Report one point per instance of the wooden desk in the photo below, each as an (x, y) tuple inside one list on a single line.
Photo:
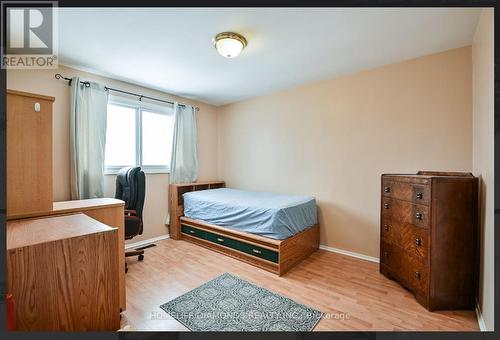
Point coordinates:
[(63, 273), (109, 211)]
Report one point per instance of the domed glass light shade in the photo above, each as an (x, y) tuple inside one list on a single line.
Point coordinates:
[(229, 44)]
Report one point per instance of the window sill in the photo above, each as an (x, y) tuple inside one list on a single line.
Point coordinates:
[(146, 171)]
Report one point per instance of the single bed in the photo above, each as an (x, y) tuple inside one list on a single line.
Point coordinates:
[(261, 213), (271, 231)]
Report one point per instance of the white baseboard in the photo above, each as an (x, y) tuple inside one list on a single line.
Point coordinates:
[(327, 248), (350, 253), (146, 242), (480, 320)]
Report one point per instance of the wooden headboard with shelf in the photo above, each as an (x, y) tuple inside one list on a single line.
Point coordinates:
[(176, 201)]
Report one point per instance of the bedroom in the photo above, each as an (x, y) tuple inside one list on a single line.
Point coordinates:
[(287, 142)]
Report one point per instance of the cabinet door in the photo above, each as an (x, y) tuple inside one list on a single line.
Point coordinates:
[(29, 154)]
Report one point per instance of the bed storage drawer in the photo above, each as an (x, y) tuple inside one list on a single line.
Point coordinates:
[(256, 251), (185, 229), (220, 239), (247, 248)]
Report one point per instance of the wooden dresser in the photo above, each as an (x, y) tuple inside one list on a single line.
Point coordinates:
[(429, 236)]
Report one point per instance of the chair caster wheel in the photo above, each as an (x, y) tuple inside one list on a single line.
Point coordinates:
[(141, 257)]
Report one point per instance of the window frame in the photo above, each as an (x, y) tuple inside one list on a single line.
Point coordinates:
[(139, 106)]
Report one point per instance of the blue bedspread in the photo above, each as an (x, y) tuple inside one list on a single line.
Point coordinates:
[(270, 215)]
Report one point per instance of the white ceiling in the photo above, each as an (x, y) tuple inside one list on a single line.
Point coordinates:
[(170, 49)]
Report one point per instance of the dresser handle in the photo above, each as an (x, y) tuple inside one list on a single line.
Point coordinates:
[(220, 239), (386, 205), (417, 275), (387, 189), (386, 227), (386, 254), (419, 195), (256, 251), (418, 242), (418, 216)]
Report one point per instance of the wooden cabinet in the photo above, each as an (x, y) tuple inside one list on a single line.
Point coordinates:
[(29, 195), (29, 152), (63, 274), (429, 237)]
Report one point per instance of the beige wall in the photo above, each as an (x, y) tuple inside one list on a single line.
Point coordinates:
[(333, 139), (483, 165), (156, 208)]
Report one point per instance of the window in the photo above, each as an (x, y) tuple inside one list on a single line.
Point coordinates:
[(138, 134)]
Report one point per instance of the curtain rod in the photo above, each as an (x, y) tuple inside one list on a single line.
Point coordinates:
[(86, 83)]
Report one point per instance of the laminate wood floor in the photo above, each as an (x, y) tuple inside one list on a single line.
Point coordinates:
[(352, 292)]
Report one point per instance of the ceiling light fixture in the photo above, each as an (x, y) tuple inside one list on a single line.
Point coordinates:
[(229, 44)]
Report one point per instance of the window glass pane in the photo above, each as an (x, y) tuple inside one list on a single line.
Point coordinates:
[(157, 133), (120, 136)]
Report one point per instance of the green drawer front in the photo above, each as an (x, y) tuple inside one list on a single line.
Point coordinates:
[(263, 253), (193, 231), (222, 240), (242, 246), (228, 242)]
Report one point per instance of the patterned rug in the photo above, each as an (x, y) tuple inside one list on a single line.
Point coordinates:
[(228, 303)]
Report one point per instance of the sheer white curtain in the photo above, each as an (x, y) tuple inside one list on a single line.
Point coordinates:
[(87, 139), (184, 162)]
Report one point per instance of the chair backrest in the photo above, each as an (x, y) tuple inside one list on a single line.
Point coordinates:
[(131, 188)]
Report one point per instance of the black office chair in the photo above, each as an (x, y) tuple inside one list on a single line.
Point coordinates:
[(131, 188)]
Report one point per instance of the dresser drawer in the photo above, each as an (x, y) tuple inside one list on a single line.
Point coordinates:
[(416, 273), (417, 193), (390, 231), (415, 241), (412, 239), (390, 256), (405, 212)]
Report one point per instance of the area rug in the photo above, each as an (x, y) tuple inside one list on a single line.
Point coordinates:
[(228, 303)]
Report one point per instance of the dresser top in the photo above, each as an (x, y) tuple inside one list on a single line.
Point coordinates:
[(28, 232), (433, 174)]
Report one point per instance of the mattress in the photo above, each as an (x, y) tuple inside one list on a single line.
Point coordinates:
[(266, 214)]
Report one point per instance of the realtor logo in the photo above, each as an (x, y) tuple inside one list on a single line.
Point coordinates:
[(29, 34)]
